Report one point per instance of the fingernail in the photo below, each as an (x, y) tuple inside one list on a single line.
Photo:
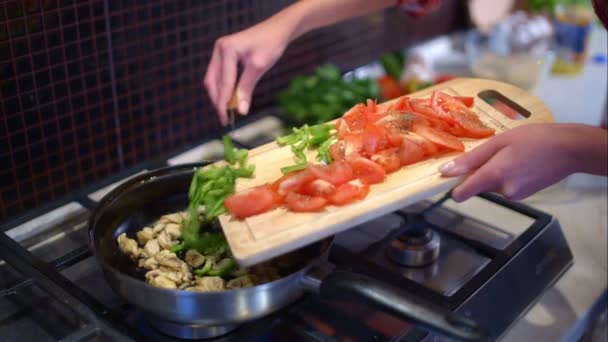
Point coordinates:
[(243, 107), (451, 168)]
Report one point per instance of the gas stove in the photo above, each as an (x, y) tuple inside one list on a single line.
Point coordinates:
[(488, 259)]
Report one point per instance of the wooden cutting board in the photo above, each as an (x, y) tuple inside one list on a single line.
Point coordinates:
[(262, 237)]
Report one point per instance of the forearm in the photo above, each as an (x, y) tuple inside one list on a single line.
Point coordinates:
[(307, 15), (590, 150)]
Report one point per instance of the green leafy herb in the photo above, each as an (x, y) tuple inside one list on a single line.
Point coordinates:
[(325, 95)]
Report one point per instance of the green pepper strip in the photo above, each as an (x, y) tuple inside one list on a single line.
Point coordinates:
[(324, 156), (210, 187), (306, 137), (223, 268)]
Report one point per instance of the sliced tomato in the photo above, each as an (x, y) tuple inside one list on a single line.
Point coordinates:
[(468, 101), (252, 201), (341, 128), (473, 127), (347, 193), (292, 182), (366, 170), (388, 159), (318, 187), (429, 148), (338, 172), (336, 151), (422, 107), (403, 104), (395, 139), (439, 110), (356, 118), (372, 112), (303, 203), (439, 138), (353, 144), (450, 104), (374, 139), (410, 152)]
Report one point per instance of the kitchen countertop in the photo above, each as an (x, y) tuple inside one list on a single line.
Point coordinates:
[(580, 204)]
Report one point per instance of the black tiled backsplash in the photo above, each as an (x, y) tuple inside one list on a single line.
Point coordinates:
[(88, 88)]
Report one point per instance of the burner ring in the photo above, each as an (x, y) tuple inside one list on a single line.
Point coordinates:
[(189, 331), (414, 251)]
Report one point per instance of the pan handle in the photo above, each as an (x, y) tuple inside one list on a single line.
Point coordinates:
[(346, 285)]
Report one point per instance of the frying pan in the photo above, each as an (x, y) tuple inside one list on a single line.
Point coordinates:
[(143, 199)]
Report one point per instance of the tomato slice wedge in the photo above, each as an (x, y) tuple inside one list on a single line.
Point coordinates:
[(388, 159), (342, 128), (366, 170), (439, 138), (439, 109), (429, 148), (337, 150), (252, 201), (402, 104), (292, 182), (468, 101), (353, 143), (338, 172), (347, 193), (410, 152), (303, 203), (374, 139), (472, 126), (318, 188), (356, 117)]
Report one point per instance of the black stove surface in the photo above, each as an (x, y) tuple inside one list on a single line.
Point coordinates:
[(56, 290)]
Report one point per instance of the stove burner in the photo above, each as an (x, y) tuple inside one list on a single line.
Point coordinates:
[(415, 250), (190, 331), (417, 246)]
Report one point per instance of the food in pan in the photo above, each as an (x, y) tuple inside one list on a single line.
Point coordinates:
[(359, 149), (158, 250), (187, 250)]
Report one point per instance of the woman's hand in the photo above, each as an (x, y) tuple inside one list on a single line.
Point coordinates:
[(256, 49), (529, 158), (259, 47)]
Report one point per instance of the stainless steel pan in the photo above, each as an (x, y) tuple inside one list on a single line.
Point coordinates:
[(145, 198)]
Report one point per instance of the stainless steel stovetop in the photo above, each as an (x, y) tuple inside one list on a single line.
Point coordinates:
[(491, 264)]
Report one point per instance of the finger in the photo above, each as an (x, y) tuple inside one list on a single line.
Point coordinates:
[(252, 73), (228, 80), (485, 178), (211, 76), (473, 159)]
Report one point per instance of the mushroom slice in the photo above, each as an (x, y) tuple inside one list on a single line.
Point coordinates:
[(240, 282), (145, 235), (163, 282), (174, 230), (151, 248), (206, 284), (164, 240), (149, 264), (194, 258), (168, 259), (172, 218), (128, 246), (159, 227)]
